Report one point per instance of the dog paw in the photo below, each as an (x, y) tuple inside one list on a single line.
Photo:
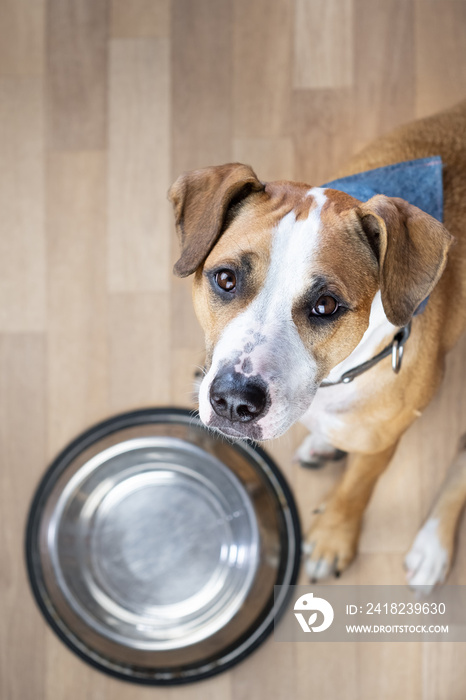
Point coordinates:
[(314, 452), (330, 546), (428, 562)]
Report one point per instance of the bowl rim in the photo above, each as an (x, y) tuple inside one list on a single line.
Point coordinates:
[(45, 486)]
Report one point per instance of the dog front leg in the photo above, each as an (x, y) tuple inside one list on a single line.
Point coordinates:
[(429, 560), (333, 539)]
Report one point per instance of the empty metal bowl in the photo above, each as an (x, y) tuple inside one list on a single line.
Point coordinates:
[(153, 547)]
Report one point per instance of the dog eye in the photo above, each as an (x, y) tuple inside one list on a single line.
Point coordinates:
[(226, 280), (325, 306)]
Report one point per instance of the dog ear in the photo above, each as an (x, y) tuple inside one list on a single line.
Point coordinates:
[(204, 202), (411, 249)]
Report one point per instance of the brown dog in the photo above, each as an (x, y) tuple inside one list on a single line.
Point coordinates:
[(294, 285)]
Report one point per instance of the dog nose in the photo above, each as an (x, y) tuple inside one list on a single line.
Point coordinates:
[(234, 396)]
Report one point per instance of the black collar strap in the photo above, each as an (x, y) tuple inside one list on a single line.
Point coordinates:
[(395, 349)]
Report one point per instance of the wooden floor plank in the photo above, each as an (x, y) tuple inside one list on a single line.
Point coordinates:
[(387, 670), (140, 18), (256, 673), (395, 511), (22, 37), (323, 132), (76, 74), (444, 671), (273, 158), (77, 295), (440, 51), (22, 458), (22, 234), (385, 85), (322, 669), (201, 98), (139, 216), (262, 68), (213, 689), (323, 44), (139, 339)]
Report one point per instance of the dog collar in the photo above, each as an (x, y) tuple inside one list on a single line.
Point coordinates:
[(419, 182), (395, 349)]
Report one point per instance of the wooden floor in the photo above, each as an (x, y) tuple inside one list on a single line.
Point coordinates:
[(102, 104)]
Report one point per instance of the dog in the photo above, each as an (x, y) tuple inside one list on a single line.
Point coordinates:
[(295, 285)]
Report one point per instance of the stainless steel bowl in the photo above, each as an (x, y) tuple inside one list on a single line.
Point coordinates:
[(153, 547)]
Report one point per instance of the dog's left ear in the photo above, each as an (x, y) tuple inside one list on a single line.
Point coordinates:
[(411, 249), (204, 201)]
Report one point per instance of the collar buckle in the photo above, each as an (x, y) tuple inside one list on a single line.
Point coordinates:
[(398, 347)]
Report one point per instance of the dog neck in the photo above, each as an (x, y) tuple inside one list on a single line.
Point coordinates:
[(379, 332)]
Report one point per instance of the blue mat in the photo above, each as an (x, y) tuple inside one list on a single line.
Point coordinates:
[(419, 182)]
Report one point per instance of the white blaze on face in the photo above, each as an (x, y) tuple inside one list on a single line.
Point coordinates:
[(263, 340)]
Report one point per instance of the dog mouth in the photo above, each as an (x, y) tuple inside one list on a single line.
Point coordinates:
[(247, 431)]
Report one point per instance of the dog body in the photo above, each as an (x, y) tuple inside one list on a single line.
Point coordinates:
[(294, 285)]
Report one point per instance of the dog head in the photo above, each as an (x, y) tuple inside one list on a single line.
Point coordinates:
[(284, 278)]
